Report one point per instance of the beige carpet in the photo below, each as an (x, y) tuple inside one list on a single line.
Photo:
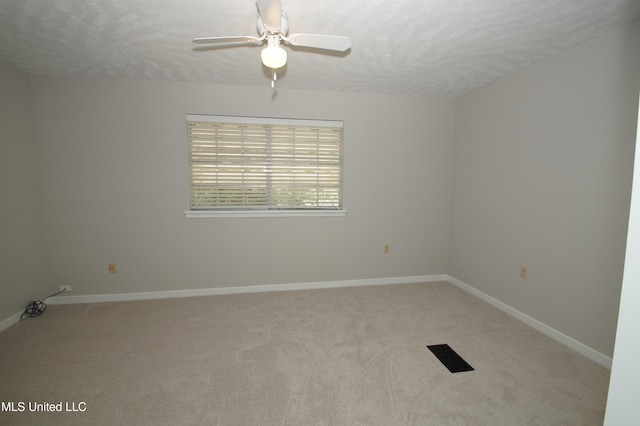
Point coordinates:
[(346, 356)]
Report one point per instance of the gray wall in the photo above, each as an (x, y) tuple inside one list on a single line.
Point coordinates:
[(539, 175), (113, 162), (542, 178), (20, 260)]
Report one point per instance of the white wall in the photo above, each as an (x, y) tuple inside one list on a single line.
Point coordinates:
[(21, 279), (113, 162), (624, 393), (542, 178)]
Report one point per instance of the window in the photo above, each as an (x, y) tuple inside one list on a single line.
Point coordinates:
[(242, 166)]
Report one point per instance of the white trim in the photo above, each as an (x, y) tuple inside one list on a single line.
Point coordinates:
[(8, 322), (121, 297), (263, 120), (203, 214), (581, 348)]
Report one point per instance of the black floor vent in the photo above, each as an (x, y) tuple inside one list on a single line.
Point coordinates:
[(450, 358)]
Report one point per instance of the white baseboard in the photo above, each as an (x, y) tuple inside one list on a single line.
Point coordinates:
[(13, 319), (582, 349), (120, 297)]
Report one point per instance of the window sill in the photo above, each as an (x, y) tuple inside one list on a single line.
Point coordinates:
[(204, 214)]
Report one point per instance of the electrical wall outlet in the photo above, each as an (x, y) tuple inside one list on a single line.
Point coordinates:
[(386, 248), (65, 288), (112, 268), (523, 272)]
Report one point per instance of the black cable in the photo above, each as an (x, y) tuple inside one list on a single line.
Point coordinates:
[(37, 307)]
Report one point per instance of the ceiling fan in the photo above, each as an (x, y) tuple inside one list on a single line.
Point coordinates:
[(273, 29)]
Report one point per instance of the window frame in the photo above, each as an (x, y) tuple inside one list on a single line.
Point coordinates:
[(267, 212)]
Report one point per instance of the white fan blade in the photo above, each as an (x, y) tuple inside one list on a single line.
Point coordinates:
[(227, 40), (205, 47), (271, 14), (318, 41)]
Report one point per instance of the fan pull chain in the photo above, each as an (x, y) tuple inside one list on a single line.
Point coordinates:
[(275, 77)]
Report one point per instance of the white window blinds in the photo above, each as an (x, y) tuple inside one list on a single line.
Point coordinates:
[(242, 163)]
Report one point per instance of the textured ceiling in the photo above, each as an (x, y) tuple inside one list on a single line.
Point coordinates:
[(416, 47)]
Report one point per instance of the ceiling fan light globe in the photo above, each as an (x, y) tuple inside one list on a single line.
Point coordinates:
[(274, 57)]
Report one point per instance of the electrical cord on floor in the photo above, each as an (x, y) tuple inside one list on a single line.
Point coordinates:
[(37, 307)]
